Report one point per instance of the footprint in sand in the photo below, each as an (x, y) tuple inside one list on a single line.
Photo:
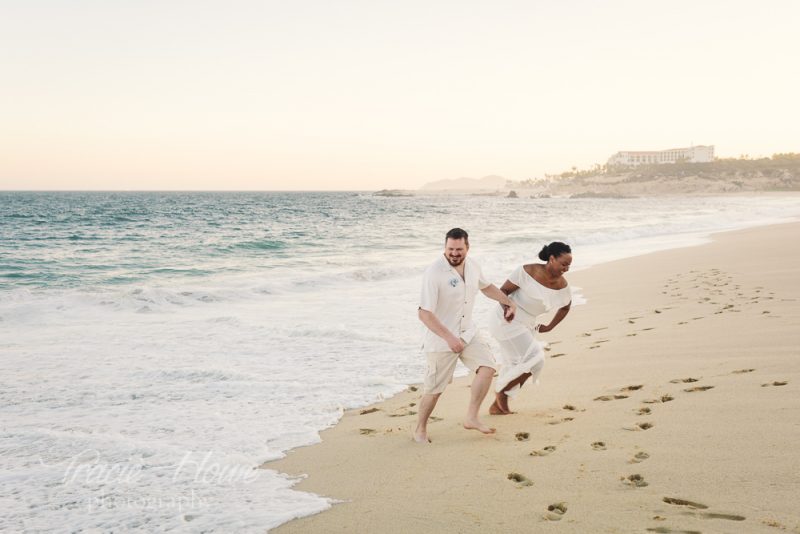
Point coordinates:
[(637, 481), (434, 419), (665, 530), (562, 420), (684, 380), (610, 397), (558, 355), (631, 335), (522, 436), (729, 517), (646, 329), (632, 388), (403, 413), (639, 426), (366, 431), (683, 502), (544, 451), (639, 457), (776, 383), (698, 388), (667, 398), (599, 445), (413, 388), (643, 411), (521, 480), (556, 511), (598, 329), (742, 371), (369, 410)]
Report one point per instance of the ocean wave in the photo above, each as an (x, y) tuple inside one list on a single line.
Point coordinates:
[(340, 332), (373, 274), (265, 244), (200, 376)]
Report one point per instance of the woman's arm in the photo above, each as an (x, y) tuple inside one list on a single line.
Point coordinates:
[(559, 316), (508, 287), (509, 308)]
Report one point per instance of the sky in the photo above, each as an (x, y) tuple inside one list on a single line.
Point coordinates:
[(373, 94)]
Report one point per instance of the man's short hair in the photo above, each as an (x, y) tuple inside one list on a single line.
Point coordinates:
[(457, 233)]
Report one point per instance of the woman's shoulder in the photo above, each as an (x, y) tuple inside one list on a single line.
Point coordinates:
[(536, 271), (532, 268)]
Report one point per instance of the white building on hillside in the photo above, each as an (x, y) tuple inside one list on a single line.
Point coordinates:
[(693, 154)]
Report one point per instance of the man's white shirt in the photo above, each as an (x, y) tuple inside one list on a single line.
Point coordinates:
[(451, 299)]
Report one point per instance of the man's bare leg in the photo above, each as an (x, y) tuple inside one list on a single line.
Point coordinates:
[(478, 390), (426, 406)]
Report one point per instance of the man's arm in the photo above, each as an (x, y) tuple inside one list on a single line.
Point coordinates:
[(435, 325), (509, 308)]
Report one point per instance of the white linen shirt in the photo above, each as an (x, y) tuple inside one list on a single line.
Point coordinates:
[(451, 299)]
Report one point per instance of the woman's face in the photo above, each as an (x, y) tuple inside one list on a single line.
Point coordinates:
[(560, 264)]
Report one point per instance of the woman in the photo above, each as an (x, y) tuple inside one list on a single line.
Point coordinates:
[(535, 288)]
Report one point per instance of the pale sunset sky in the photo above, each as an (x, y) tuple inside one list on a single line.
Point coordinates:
[(372, 94)]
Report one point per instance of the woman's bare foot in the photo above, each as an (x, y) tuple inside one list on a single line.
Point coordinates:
[(475, 424), (494, 409), (502, 402)]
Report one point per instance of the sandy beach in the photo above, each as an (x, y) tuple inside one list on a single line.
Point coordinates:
[(668, 403)]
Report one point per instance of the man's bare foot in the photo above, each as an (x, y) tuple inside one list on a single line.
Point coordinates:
[(477, 425), (421, 437), (494, 409)]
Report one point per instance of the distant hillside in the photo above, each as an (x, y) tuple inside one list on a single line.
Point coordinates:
[(781, 172), (491, 183)]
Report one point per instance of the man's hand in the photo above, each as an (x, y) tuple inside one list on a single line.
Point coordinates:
[(509, 312), (455, 344)]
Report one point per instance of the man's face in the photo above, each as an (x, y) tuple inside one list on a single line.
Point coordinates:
[(455, 250)]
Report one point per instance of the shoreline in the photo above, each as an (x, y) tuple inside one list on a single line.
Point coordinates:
[(383, 426)]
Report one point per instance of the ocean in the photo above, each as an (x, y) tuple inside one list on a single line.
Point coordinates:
[(155, 348)]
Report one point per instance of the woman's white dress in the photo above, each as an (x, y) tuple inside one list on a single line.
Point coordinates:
[(520, 351)]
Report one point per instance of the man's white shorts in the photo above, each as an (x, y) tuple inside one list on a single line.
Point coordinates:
[(442, 365)]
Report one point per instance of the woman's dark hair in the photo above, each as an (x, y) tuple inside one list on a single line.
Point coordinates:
[(556, 248)]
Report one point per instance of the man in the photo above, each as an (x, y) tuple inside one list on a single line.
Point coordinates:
[(449, 287)]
